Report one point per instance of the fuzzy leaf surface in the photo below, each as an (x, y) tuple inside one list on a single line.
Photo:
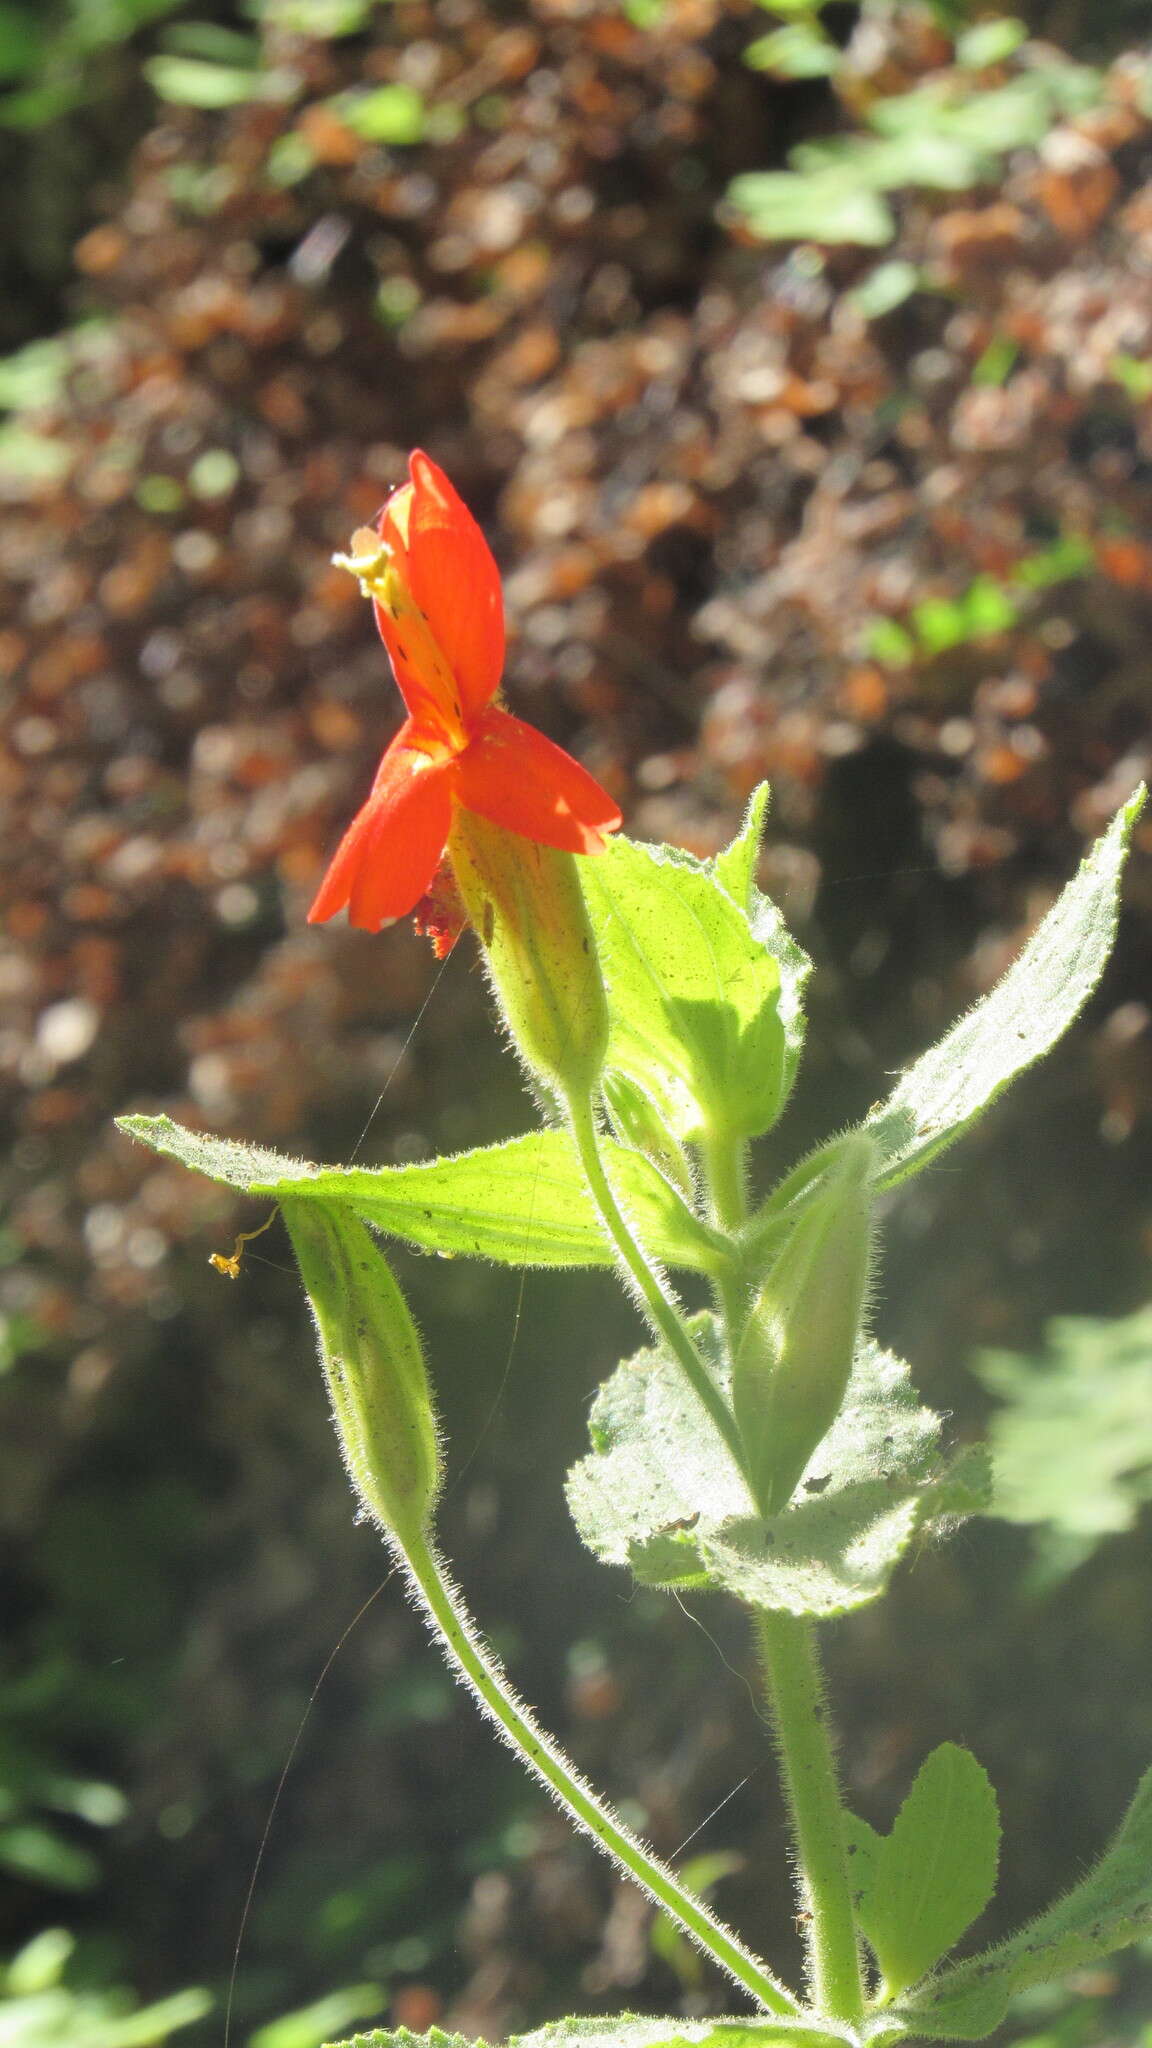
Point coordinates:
[(928, 1879), (693, 992), (661, 1494), (631, 2031), (522, 1203), (1019, 1020), (1110, 1908), (628, 2030)]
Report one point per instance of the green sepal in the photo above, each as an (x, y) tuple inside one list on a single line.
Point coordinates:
[(522, 1203), (373, 1364), (920, 1887), (792, 1364), (1017, 1022), (693, 992), (661, 1493), (1110, 1908), (527, 906)]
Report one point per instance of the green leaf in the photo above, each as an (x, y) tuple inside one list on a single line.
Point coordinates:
[(308, 2027), (735, 866), (990, 42), (885, 288), (862, 1842), (1007, 117), (799, 50), (1110, 1908), (39, 1855), (936, 1871), (735, 870), (693, 991), (403, 2037), (828, 206), (195, 82), (1021, 1019), (1072, 1444), (394, 114), (629, 2030), (660, 1491), (521, 1203)]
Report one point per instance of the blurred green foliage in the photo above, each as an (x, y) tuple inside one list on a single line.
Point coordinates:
[(41, 2006), (1072, 1436)]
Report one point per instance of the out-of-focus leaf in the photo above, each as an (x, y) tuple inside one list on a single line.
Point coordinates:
[(885, 288), (314, 2024), (1072, 1443), (395, 114), (827, 206), (799, 50), (31, 1850), (990, 42)]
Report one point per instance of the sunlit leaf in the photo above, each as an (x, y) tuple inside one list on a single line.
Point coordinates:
[(792, 206), (661, 1494), (1107, 1910), (929, 1878), (1022, 1017), (521, 1203), (693, 991)]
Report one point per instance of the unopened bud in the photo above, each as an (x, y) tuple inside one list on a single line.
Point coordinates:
[(373, 1364), (792, 1365), (527, 906)]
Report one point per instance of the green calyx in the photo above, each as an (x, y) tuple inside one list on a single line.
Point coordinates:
[(373, 1364), (793, 1360), (526, 905)]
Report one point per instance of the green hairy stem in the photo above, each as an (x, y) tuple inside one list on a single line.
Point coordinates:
[(660, 1310), (480, 1670)]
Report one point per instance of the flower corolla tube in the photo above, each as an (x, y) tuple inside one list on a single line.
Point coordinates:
[(436, 592)]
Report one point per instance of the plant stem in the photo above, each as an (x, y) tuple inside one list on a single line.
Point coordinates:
[(480, 1670), (795, 1690), (723, 1157), (661, 1311), (723, 1160)]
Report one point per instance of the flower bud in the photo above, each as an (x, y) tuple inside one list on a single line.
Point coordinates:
[(792, 1365), (373, 1364), (527, 906)]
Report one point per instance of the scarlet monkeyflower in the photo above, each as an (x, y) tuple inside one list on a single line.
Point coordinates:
[(436, 592)]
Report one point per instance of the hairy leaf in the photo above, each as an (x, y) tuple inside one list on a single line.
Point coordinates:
[(693, 992), (629, 2030), (1021, 1018), (521, 1203), (1110, 1908), (661, 1493), (928, 1879)]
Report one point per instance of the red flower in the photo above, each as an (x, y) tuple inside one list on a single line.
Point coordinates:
[(436, 591)]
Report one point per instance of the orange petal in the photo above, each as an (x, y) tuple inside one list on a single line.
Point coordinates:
[(447, 563), (513, 776), (391, 850)]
